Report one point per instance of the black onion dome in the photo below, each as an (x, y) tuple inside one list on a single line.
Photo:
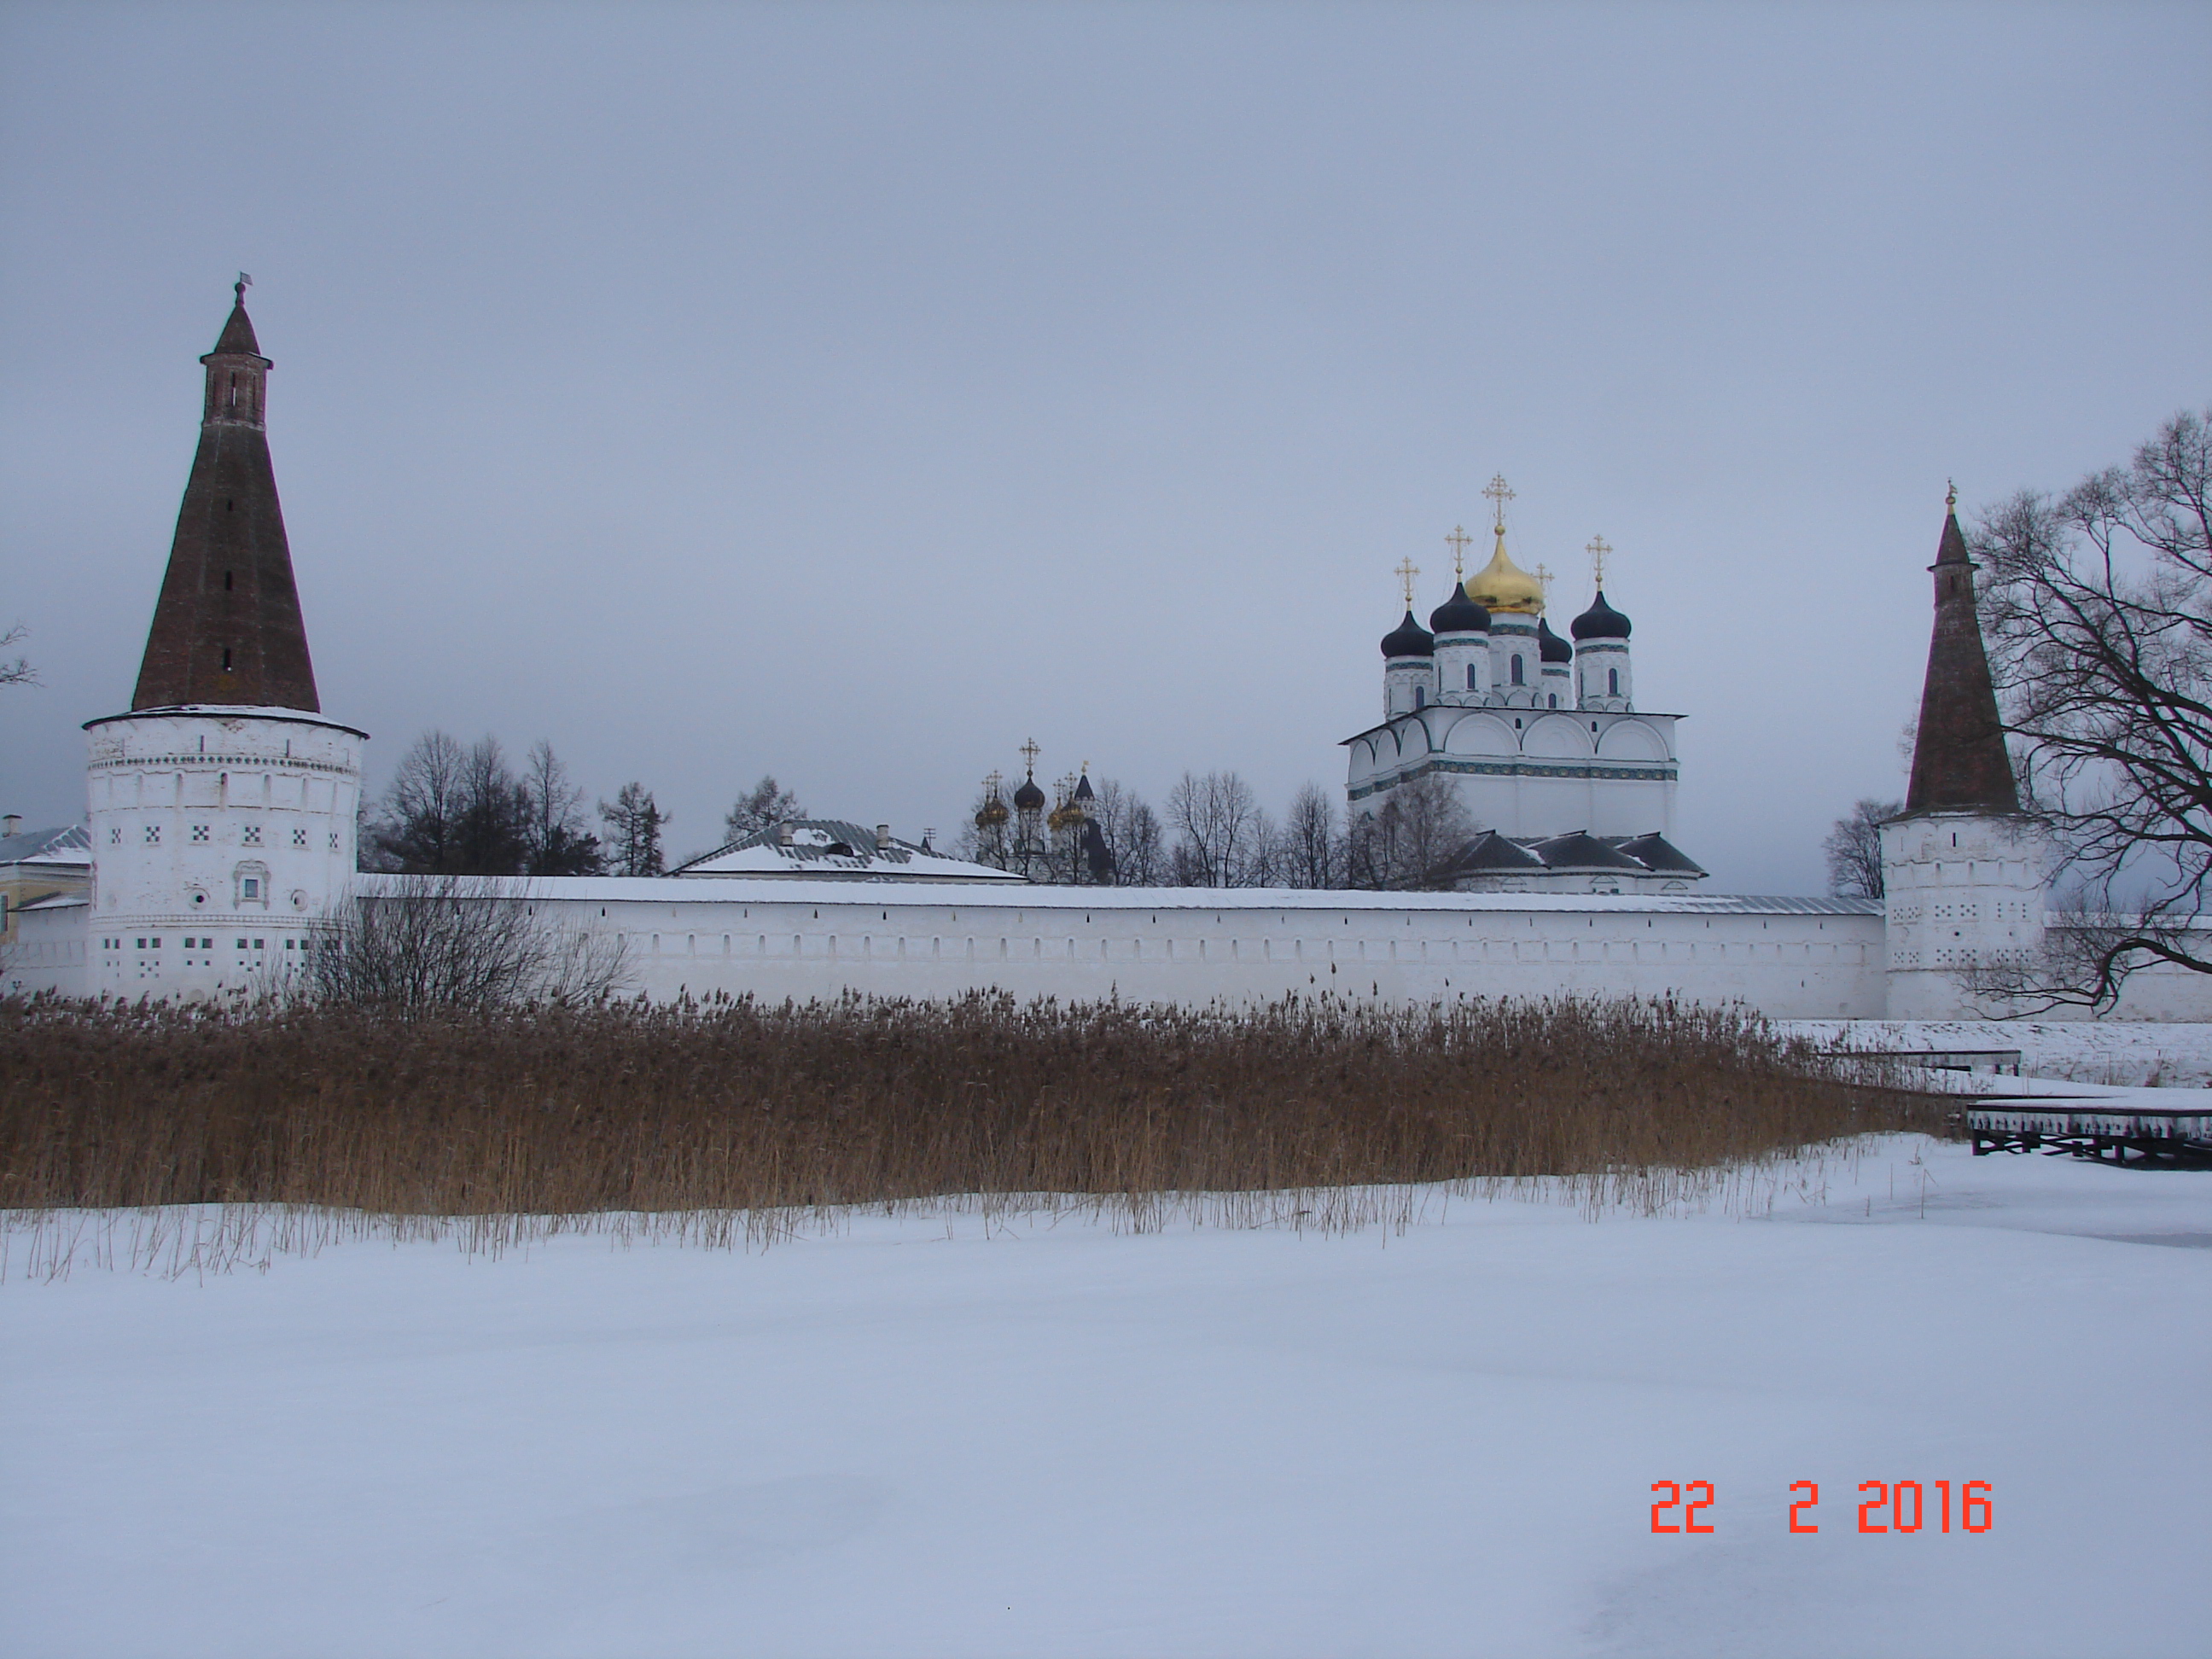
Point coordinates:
[(1550, 646), (1600, 622), (1029, 798), (1408, 639), (1459, 615)]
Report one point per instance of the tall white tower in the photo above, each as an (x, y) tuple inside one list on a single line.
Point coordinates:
[(223, 806), (1964, 869)]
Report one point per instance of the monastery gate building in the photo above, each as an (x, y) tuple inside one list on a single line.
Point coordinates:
[(222, 808)]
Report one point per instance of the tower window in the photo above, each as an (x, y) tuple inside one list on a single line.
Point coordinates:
[(152, 835), (1517, 675), (299, 838), (225, 660), (250, 834), (200, 832), (1612, 682), (1554, 703), (226, 582), (1470, 676), (1420, 696)]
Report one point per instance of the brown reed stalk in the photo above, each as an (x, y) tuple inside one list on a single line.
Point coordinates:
[(736, 1107)]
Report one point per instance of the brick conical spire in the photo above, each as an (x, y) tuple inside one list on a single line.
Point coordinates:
[(1959, 759), (226, 629)]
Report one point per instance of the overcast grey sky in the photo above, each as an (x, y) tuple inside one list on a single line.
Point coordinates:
[(853, 392)]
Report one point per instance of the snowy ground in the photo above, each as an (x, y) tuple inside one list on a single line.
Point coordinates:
[(911, 1439)]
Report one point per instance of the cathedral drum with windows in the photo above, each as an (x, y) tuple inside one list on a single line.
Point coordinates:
[(1570, 784), (223, 806)]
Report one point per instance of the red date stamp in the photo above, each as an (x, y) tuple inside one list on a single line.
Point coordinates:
[(1885, 1506)]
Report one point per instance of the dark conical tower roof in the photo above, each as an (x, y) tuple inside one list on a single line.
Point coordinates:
[(237, 339), (228, 628), (1959, 759)]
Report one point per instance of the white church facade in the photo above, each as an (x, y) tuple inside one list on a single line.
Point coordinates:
[(223, 806), (1571, 786)]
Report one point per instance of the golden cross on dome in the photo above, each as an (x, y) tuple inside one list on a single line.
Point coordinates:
[(1598, 548), (1458, 539), (1030, 753), (1544, 575), (1405, 571), (992, 784), (1499, 493)]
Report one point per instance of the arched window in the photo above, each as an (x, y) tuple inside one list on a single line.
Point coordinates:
[(1555, 700), (1420, 696), (1612, 682), (1470, 676), (1517, 679)]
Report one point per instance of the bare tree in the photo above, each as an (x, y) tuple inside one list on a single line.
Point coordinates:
[(558, 842), (19, 671), (466, 941), (1313, 840), (1854, 848), (766, 805), (1405, 841), (1214, 818), (418, 829), (1131, 831), (633, 823), (2098, 609), (452, 811), (491, 835), (987, 836)]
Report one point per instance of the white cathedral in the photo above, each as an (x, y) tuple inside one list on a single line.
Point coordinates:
[(1571, 784), (220, 839)]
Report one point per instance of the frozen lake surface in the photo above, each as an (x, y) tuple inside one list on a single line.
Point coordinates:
[(910, 1438)]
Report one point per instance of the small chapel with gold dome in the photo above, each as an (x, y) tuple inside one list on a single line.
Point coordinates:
[(1569, 784)]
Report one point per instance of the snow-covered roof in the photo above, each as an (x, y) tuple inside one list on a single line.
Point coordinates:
[(55, 902), (830, 848), (68, 845), (878, 890)]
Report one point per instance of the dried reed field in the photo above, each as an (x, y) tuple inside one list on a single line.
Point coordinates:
[(758, 1116)]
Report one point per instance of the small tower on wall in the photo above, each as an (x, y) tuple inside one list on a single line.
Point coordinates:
[(223, 806), (1964, 869)]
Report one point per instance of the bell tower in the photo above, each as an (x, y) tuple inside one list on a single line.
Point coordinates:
[(221, 807)]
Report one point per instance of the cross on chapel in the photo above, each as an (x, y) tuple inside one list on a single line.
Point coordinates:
[(1458, 540), (1499, 493)]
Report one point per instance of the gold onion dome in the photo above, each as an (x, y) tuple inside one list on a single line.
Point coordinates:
[(1502, 585)]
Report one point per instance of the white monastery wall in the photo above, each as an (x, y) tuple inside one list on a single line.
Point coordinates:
[(49, 950), (1788, 958)]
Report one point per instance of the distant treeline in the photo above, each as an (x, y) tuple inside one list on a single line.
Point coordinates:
[(462, 810)]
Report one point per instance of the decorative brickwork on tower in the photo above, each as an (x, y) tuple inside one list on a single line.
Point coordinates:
[(1959, 759), (228, 628)]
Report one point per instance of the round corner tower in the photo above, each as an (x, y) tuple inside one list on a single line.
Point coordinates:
[(1964, 869), (223, 806)]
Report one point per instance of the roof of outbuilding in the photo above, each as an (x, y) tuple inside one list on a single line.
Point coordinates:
[(1656, 852), (834, 847), (70, 844)]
